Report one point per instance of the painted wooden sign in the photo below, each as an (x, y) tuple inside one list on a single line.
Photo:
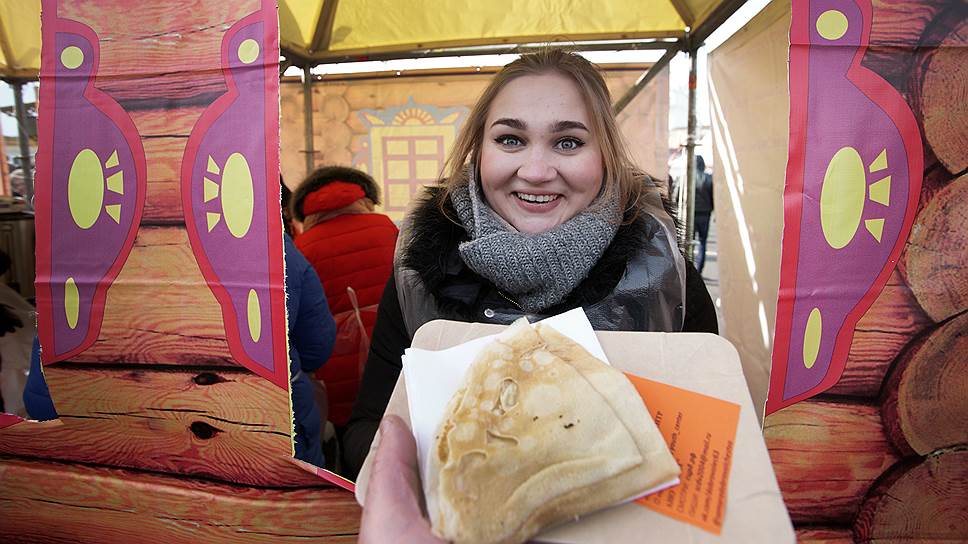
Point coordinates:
[(853, 182)]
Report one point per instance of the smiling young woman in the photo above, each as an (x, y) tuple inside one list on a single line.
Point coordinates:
[(541, 210)]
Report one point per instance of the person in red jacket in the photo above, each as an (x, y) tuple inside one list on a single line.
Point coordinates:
[(351, 248)]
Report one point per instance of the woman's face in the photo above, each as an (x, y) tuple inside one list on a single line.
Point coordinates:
[(541, 164)]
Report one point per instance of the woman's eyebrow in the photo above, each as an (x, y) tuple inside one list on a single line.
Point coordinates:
[(513, 123), (562, 126)]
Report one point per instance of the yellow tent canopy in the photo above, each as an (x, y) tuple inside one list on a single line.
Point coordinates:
[(19, 39), (315, 31), (324, 29)]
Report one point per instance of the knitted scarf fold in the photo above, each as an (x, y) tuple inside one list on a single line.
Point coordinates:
[(538, 270)]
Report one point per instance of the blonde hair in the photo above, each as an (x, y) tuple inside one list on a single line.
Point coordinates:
[(619, 173)]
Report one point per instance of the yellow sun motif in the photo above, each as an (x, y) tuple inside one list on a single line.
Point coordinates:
[(237, 194), (86, 184), (413, 116), (844, 194)]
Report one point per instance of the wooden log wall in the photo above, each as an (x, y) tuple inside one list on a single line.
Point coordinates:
[(164, 437), (45, 501), (882, 456)]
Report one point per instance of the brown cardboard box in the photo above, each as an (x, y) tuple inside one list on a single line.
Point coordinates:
[(703, 363)]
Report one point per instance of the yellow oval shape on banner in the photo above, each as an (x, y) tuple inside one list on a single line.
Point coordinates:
[(72, 302), (842, 197), (238, 200), (811, 338), (85, 188), (255, 316)]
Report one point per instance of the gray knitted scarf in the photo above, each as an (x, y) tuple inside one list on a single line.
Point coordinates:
[(538, 270)]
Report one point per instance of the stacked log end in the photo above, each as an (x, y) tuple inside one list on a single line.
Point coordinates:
[(925, 397), (939, 87), (937, 252), (923, 500), (826, 455)]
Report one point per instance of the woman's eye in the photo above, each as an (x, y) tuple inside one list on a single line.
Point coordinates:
[(508, 141), (569, 144)]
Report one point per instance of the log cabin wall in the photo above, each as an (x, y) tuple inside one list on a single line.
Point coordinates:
[(163, 436), (882, 456), (351, 113)]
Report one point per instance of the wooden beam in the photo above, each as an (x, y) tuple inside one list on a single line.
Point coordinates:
[(324, 27), (45, 501), (223, 424), (644, 80), (684, 12)]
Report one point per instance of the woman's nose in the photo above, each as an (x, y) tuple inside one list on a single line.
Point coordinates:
[(536, 168)]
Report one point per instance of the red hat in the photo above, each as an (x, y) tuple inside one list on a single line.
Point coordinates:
[(332, 196)]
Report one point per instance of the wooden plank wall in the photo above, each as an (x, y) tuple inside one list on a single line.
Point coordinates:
[(883, 455), (165, 438)]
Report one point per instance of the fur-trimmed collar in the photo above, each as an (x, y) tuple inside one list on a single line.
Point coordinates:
[(431, 251)]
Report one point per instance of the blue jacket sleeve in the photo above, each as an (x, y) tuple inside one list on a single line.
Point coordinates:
[(37, 399), (314, 331)]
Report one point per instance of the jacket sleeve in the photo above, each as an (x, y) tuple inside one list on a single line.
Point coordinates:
[(36, 396), (383, 365), (700, 311), (314, 331)]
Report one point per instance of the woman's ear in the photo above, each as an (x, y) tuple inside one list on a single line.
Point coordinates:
[(368, 203)]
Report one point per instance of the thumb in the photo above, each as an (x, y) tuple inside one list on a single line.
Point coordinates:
[(393, 511)]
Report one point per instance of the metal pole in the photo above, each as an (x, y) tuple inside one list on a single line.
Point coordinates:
[(688, 244), (18, 99), (308, 119), (644, 79)]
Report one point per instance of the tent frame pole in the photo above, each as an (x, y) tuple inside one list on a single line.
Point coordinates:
[(688, 243), (26, 162), (310, 150), (644, 79)]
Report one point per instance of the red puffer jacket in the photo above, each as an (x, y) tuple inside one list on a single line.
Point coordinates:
[(351, 250)]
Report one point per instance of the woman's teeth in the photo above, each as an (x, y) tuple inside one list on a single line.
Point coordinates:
[(540, 199)]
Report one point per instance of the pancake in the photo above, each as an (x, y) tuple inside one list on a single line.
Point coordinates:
[(539, 433)]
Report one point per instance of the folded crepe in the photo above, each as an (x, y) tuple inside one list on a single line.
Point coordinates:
[(540, 432)]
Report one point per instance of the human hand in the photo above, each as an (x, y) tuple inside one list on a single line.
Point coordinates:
[(393, 511)]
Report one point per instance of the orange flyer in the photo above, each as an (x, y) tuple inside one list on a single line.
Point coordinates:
[(700, 431)]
